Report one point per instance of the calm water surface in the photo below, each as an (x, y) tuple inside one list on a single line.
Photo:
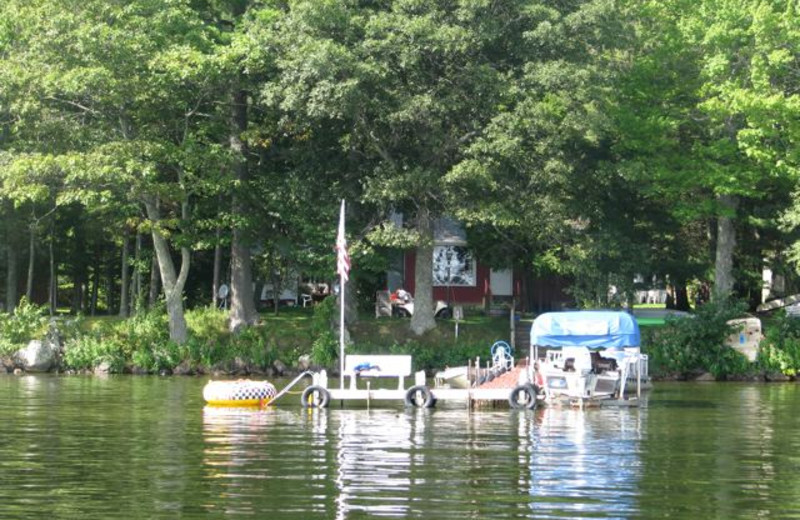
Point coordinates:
[(139, 447)]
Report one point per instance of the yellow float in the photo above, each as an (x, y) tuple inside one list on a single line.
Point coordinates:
[(242, 392)]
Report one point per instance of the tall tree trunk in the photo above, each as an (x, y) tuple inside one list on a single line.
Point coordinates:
[(681, 297), (155, 280), (11, 278), (136, 277), (726, 245), (110, 287), (31, 261), (95, 286), (79, 272), (217, 268), (422, 321), (125, 269), (78, 300), (243, 310), (52, 295), (173, 284)]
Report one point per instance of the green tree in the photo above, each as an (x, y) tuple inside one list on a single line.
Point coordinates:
[(413, 84), (706, 77), (133, 82), (537, 185)]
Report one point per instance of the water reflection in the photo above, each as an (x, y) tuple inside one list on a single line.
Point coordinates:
[(374, 462), (586, 463), (420, 463), (146, 448)]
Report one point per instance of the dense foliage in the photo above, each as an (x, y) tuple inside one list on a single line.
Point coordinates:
[(689, 346), (780, 350), (26, 323), (154, 150)]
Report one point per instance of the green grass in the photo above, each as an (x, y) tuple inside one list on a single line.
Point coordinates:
[(650, 306), (650, 322)]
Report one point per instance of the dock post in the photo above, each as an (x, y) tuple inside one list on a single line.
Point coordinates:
[(512, 325), (639, 378)]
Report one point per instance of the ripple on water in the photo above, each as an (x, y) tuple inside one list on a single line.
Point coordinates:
[(147, 448)]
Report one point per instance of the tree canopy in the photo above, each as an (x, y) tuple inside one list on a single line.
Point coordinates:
[(598, 140)]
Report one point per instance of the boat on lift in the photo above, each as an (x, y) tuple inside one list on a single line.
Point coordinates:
[(588, 356)]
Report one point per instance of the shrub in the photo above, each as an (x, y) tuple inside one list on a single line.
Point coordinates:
[(780, 348), (88, 351), (325, 344), (27, 322), (686, 346), (431, 357), (142, 340), (156, 357), (253, 345), (208, 323), (145, 331)]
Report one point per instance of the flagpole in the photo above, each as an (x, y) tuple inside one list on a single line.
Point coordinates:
[(341, 328), (342, 266)]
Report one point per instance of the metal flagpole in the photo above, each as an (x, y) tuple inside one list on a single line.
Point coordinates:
[(341, 332), (343, 268)]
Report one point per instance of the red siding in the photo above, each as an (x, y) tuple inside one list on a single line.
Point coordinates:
[(465, 295)]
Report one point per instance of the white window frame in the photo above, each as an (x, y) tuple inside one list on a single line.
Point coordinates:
[(463, 267)]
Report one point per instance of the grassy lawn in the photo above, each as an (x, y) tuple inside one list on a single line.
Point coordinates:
[(474, 330), (650, 306), (385, 331), (650, 322)]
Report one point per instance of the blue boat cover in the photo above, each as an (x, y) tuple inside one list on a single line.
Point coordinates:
[(593, 329)]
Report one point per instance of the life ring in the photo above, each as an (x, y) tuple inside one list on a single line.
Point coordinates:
[(523, 397), (420, 396), (315, 396), (242, 392), (501, 354)]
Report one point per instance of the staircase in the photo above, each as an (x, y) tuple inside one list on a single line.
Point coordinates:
[(522, 338)]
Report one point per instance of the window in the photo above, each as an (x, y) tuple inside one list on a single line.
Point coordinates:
[(453, 266)]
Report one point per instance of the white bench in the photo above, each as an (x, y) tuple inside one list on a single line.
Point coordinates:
[(378, 366)]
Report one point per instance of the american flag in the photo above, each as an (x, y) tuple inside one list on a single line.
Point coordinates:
[(342, 258)]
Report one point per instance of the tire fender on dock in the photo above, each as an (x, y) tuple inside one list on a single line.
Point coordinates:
[(315, 396), (523, 397), (420, 396)]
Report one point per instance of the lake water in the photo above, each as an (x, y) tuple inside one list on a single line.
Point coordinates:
[(146, 447)]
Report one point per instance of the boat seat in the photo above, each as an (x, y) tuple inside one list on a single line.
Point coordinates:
[(581, 360), (601, 364)]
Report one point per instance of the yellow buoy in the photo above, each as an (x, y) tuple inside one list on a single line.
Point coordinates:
[(242, 392)]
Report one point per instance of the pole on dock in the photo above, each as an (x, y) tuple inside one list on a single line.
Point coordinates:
[(512, 325), (343, 268)]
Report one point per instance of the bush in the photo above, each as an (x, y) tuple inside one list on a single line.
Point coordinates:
[(142, 340), (88, 351), (431, 357), (688, 346), (208, 323), (253, 345), (325, 344), (27, 323), (208, 336), (780, 348)]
